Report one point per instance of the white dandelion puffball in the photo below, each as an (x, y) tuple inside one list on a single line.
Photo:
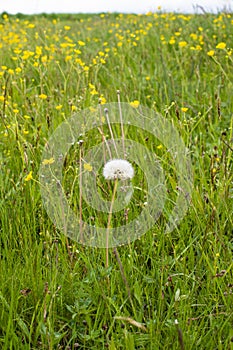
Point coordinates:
[(118, 169)]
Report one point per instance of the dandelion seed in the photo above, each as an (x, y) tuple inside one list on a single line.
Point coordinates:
[(118, 169)]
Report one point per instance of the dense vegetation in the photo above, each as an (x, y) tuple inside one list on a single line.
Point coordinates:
[(162, 291)]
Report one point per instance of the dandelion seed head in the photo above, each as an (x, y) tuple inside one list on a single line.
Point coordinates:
[(118, 169)]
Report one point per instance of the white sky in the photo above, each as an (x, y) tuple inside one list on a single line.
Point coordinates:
[(142, 6)]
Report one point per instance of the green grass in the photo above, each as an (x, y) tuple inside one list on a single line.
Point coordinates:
[(56, 293)]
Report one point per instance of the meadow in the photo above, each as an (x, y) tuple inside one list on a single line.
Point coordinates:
[(163, 290)]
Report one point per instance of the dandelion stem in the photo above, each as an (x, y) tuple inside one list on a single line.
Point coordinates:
[(122, 272), (109, 220), (106, 143), (110, 129)]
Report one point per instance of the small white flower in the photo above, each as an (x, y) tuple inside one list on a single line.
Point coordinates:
[(118, 169)]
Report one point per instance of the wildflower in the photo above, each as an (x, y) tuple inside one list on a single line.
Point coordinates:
[(182, 43), (172, 41), (118, 169), (48, 161), (43, 96), (221, 46), (58, 107), (28, 177), (134, 104), (18, 70), (184, 109), (87, 167), (68, 58), (210, 53), (102, 100)]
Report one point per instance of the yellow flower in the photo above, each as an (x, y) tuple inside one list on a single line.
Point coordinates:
[(210, 53), (58, 107), (48, 161), (184, 109), (68, 58), (2, 98), (28, 177), (11, 71), (102, 100), (67, 27), (88, 167), (43, 96), (160, 146), (134, 104), (221, 45), (81, 43), (172, 41), (183, 43), (18, 70)]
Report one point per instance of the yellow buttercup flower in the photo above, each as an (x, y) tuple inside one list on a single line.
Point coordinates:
[(58, 107), (135, 104), (211, 53), (221, 45), (183, 43), (48, 161), (87, 167), (43, 96), (28, 177)]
